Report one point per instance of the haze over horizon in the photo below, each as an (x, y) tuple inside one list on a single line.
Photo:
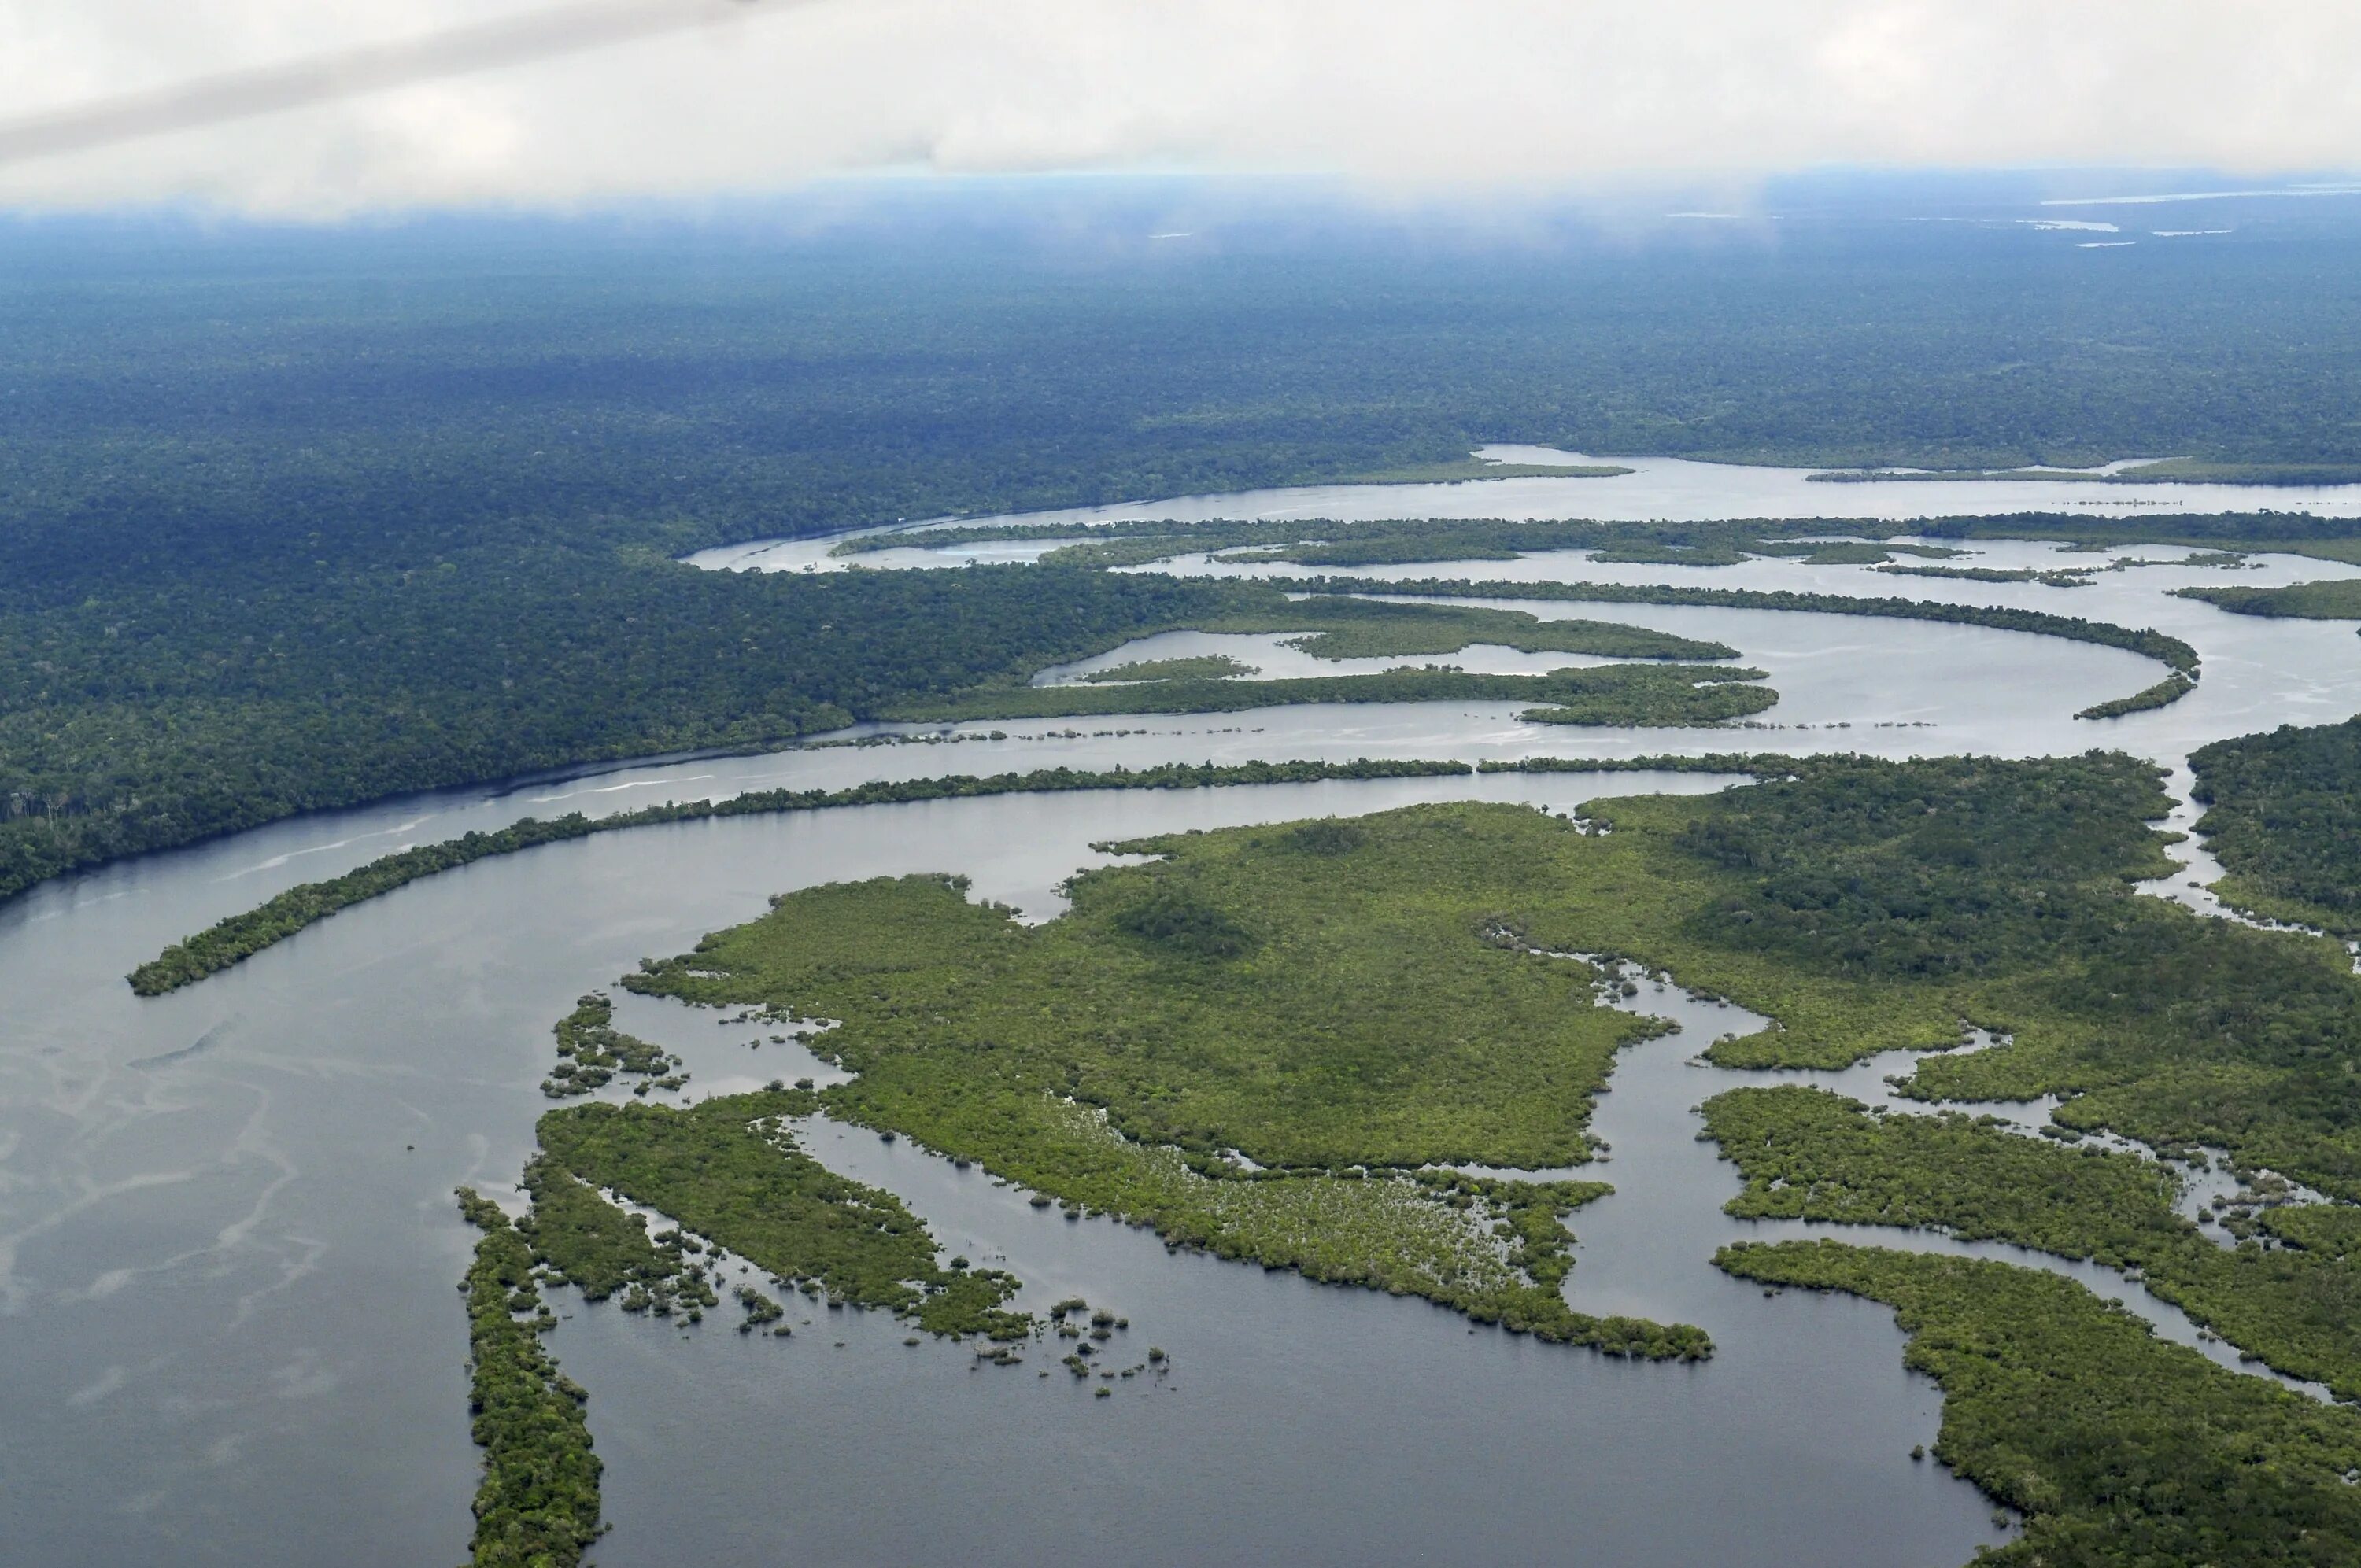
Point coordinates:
[(584, 105)]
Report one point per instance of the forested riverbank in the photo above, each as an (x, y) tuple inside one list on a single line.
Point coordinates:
[(270, 548)]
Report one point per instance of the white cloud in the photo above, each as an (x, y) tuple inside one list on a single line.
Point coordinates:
[(1411, 92)]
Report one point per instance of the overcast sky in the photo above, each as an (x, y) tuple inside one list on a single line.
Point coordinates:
[(1412, 92)]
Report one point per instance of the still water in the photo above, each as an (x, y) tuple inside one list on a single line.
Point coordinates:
[(1669, 490), (227, 1251)]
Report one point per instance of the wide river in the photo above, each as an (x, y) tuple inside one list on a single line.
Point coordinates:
[(227, 1247)]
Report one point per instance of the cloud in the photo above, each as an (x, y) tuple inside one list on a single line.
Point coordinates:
[(1405, 93)]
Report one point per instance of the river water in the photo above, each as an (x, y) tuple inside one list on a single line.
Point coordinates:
[(1670, 490), (227, 1250)]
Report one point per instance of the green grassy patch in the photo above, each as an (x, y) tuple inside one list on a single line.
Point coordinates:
[(2057, 580), (236, 937), (1344, 1004)]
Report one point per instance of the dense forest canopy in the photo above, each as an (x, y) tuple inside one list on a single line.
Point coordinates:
[(289, 520), (2284, 817)]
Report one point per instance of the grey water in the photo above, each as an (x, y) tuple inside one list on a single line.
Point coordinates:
[(228, 1249), (1672, 489)]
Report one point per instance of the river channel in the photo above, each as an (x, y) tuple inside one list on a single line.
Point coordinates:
[(228, 1249)]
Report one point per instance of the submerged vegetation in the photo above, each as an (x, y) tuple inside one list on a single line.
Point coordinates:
[(537, 1505), (2283, 815), (2121, 1450)]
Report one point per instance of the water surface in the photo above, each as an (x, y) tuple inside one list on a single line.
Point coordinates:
[(228, 1249)]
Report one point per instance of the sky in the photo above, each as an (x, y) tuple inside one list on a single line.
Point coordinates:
[(718, 97)]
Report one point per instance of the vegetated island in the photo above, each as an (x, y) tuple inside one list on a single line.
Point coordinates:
[(2119, 1449), (729, 1168), (1333, 1001), (2288, 1294), (1334, 627), (1350, 1005), (1717, 542), (1201, 667), (2164, 694), (2063, 577), (1651, 695), (2155, 644), (2170, 650), (2338, 598), (1867, 904), (2283, 815), (1393, 542), (238, 937), (538, 1500)]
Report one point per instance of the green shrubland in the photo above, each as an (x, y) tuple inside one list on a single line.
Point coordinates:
[(537, 1505), (730, 1169), (1646, 695), (2120, 1450), (1810, 1154), (1343, 1003), (2283, 815)]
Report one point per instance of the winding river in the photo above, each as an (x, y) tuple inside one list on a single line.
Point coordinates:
[(227, 1249)]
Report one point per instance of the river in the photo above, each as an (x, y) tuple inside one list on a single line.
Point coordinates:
[(228, 1249)]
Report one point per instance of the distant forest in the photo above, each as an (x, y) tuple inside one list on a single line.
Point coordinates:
[(291, 520)]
